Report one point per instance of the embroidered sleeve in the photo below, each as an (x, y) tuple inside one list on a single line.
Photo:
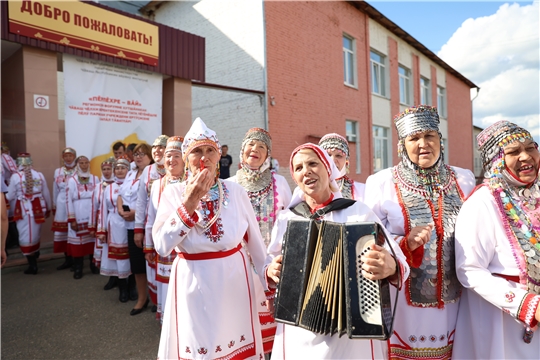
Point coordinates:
[(188, 220), (527, 310)]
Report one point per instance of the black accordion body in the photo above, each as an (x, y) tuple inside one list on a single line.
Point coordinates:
[(322, 288)]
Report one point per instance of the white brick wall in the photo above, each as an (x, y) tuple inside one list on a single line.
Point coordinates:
[(234, 33)]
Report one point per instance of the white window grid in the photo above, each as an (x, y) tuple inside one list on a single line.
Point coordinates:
[(425, 91), (349, 76), (352, 134), (378, 74), (380, 148), (404, 85), (441, 101)]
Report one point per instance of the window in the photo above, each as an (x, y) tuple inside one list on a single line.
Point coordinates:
[(351, 131), (380, 148), (445, 146), (424, 92), (441, 101), (404, 85), (378, 79), (349, 77)]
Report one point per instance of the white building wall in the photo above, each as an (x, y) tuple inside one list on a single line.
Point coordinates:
[(234, 47)]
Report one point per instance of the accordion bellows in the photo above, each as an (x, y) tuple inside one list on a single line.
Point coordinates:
[(322, 288)]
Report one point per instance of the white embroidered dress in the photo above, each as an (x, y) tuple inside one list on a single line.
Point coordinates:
[(415, 328), (490, 324), (211, 311), (293, 342)]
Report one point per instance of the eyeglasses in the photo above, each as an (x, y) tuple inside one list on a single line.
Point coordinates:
[(139, 154)]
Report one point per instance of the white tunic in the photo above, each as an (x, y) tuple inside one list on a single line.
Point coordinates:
[(29, 230), (415, 329), (210, 312), (60, 225), (293, 342), (488, 325)]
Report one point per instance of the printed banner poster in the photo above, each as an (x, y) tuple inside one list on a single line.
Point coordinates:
[(106, 103)]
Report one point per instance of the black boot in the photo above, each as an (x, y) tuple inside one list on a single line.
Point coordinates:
[(78, 263), (133, 295), (123, 287), (113, 281), (68, 262), (32, 265), (93, 268)]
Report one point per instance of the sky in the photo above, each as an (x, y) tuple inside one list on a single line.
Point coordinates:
[(495, 44)]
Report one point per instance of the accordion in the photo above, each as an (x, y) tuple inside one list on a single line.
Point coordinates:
[(322, 289)]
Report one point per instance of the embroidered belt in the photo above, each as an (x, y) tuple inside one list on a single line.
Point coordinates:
[(209, 255)]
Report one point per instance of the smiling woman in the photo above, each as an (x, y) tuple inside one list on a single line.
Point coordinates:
[(498, 251)]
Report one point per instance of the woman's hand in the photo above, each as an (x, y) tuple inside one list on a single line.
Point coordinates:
[(74, 226), (138, 240), (101, 238), (150, 257), (128, 215), (196, 187), (273, 271), (378, 263), (419, 236)]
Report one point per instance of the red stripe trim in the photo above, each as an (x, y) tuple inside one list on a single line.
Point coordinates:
[(27, 250), (209, 255), (508, 277)]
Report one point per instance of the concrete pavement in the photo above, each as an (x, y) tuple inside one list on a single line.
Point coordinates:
[(53, 316)]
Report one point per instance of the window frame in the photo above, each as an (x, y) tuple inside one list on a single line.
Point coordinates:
[(385, 147), (346, 59), (407, 84), (354, 138), (441, 104), (425, 86), (381, 66)]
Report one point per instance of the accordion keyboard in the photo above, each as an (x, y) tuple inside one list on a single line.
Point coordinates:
[(370, 297)]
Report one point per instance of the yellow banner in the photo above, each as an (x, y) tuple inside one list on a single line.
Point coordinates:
[(84, 26)]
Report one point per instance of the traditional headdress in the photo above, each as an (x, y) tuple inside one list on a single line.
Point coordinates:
[(199, 135), (493, 139), (69, 150), (174, 143), (5, 147), (24, 159), (83, 174), (412, 121), (259, 135), (331, 169), (161, 140), (335, 141), (110, 161), (122, 161)]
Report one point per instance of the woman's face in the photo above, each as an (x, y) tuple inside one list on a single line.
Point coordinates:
[(207, 154), (68, 157), (120, 172), (174, 163), (141, 159), (255, 153), (339, 157), (84, 164), (423, 148), (157, 153), (522, 159), (310, 175), (106, 171)]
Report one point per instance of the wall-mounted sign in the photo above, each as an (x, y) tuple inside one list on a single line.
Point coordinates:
[(84, 26), (41, 102)]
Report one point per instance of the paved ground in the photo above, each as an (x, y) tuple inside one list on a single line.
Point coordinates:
[(52, 316)]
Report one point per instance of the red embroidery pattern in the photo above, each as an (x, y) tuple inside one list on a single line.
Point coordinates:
[(173, 222), (509, 296), (188, 350), (202, 351), (231, 344), (242, 338), (182, 233), (218, 348)]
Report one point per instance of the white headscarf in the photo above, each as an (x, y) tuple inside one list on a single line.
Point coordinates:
[(331, 169)]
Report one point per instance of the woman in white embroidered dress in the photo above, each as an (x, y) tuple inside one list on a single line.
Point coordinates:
[(29, 192), (498, 251), (60, 223), (211, 310), (418, 201), (126, 205), (314, 172), (338, 149), (269, 194), (112, 234), (175, 171), (81, 209)]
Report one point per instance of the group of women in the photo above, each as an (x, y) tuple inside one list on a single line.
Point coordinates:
[(464, 260)]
